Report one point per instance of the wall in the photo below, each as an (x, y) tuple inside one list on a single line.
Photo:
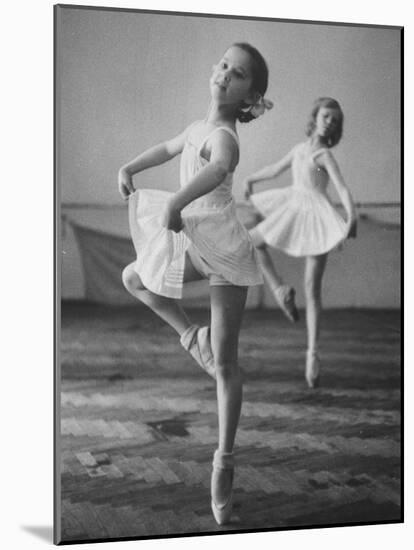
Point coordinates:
[(127, 80)]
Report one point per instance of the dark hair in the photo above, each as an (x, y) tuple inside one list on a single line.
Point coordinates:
[(260, 74), (330, 103)]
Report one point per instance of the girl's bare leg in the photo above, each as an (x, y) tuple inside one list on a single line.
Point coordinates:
[(227, 306), (283, 293), (273, 279), (168, 309), (314, 270)]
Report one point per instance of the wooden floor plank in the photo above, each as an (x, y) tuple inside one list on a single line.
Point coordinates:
[(139, 425)]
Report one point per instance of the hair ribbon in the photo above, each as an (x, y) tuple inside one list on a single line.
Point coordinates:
[(261, 105)]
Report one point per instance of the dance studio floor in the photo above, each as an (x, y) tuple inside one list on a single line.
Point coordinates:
[(139, 425)]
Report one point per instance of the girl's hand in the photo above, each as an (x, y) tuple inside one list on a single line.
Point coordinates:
[(172, 219), (125, 184), (352, 229), (247, 189)]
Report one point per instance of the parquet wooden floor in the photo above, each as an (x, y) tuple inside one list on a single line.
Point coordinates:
[(139, 426)]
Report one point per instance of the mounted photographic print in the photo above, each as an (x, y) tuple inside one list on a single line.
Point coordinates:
[(228, 274)]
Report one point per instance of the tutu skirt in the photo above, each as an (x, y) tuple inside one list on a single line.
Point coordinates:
[(299, 221), (215, 231)]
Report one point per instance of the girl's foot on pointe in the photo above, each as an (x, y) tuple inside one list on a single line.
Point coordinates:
[(222, 486), (312, 371), (285, 297), (196, 340)]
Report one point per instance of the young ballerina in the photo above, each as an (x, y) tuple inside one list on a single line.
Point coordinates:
[(195, 233), (301, 220)]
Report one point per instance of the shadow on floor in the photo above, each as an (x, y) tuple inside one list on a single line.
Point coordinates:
[(44, 532)]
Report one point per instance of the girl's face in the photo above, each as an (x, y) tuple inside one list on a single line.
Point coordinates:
[(327, 119), (231, 81)]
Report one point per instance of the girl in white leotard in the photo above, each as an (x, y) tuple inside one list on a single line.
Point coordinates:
[(301, 220), (195, 233)]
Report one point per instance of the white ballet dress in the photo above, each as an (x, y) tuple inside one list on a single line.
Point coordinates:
[(300, 219), (210, 226)]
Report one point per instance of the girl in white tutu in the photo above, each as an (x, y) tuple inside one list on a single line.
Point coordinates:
[(301, 220), (194, 233)]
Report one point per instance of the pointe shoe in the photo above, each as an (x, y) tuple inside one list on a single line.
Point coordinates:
[(222, 512), (312, 371), (285, 297), (196, 340)]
